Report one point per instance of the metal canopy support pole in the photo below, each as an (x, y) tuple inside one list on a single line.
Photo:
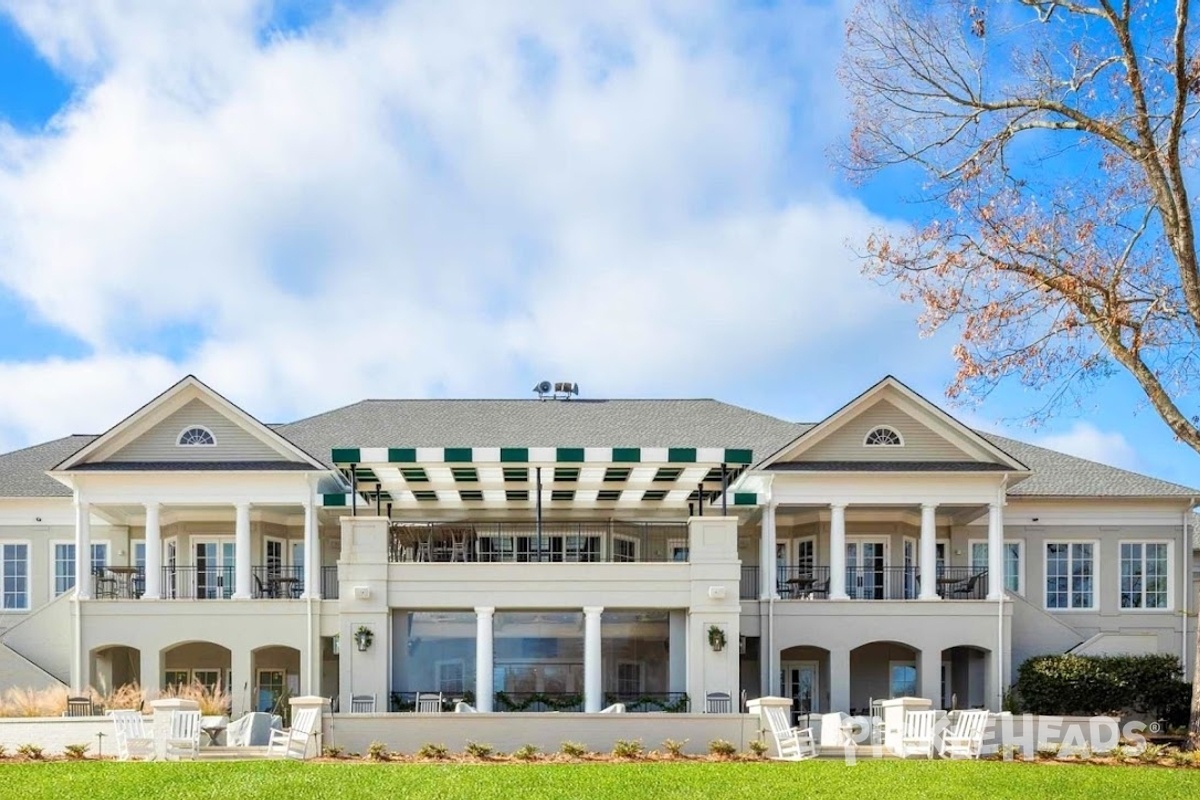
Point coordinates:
[(354, 490), (724, 491), (379, 499), (700, 499), (538, 472)]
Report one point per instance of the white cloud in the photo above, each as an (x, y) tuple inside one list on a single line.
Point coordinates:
[(1087, 441), (428, 198)]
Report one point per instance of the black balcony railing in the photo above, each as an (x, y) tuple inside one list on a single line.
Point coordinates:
[(802, 582), (962, 583), (881, 583), (275, 582), (329, 583), (538, 701), (670, 702), (749, 584), (198, 583), (118, 583), (407, 701), (521, 542)]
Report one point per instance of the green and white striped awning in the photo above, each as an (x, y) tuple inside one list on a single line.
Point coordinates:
[(637, 477)]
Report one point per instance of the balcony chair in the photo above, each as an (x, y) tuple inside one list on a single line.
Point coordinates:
[(965, 588), (718, 703), (819, 589), (293, 743), (184, 738), (80, 707), (428, 703), (965, 739), (131, 737), (919, 727), (268, 590), (791, 744), (362, 704), (458, 546)]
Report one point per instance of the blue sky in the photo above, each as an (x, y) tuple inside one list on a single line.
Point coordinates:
[(306, 205)]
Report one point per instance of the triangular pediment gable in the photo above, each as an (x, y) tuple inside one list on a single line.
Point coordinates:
[(927, 435), (150, 436)]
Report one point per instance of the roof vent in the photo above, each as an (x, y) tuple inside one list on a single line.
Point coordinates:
[(562, 390)]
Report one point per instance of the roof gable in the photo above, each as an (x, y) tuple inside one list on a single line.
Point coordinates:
[(927, 435), (151, 434)]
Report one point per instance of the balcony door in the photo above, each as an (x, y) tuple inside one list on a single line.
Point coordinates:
[(866, 558), (214, 559)]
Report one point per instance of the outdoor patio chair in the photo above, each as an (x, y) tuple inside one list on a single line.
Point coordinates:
[(463, 707), (965, 739), (251, 730), (965, 589), (362, 704), (615, 708), (268, 590), (184, 738), (791, 744), (718, 703), (428, 703), (80, 707), (293, 743), (918, 735), (132, 738)]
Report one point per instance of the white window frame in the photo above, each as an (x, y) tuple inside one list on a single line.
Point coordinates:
[(888, 428), (439, 666), (916, 677), (53, 562), (186, 428), (1170, 607), (641, 677), (1020, 543), (1097, 576), (28, 574), (676, 545), (620, 537)]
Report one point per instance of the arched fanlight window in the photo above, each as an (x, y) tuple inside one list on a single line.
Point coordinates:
[(196, 436), (883, 436)]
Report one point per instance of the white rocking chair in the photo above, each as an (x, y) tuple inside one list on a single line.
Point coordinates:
[(919, 729), (965, 740), (792, 744), (184, 739), (293, 743), (131, 737)]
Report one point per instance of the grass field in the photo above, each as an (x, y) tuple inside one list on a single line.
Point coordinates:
[(894, 780)]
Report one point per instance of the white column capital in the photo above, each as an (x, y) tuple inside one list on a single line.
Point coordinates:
[(485, 611), (591, 610), (929, 506), (838, 506)]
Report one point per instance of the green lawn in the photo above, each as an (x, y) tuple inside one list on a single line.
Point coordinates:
[(894, 780)]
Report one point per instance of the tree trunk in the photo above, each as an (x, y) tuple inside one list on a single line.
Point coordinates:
[(1193, 742)]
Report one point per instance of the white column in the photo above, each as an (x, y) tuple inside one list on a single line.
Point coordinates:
[(153, 583), (767, 572), (837, 552), (995, 552), (593, 676), (483, 659), (241, 553), (312, 551), (928, 552), (83, 550), (929, 675)]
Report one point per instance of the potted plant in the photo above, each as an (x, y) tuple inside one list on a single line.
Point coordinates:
[(363, 638), (716, 638)]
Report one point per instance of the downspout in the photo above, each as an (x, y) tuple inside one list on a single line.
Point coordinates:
[(313, 682), (80, 684), (1185, 559), (1003, 500)]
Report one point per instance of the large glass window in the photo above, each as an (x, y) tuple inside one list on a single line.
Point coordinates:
[(538, 660), (1144, 575), (902, 679), (14, 564), (64, 564), (1070, 575), (435, 653), (1014, 552), (635, 658)]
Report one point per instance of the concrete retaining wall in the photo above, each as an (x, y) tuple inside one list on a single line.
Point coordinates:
[(52, 734)]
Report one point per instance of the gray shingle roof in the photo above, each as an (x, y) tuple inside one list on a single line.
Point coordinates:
[(535, 423), (22, 472), (1057, 474)]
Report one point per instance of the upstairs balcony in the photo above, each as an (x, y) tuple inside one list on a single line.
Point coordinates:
[(210, 583), (520, 542), (868, 583)]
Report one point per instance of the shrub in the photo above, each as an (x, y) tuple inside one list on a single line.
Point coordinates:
[(1090, 685), (3, 751), (759, 748), (333, 751), (30, 751), (434, 752), (628, 748), (128, 697), (526, 752), (75, 752), (479, 750), (1151, 753), (213, 701), (722, 749), (1046, 749), (34, 702), (377, 751), (572, 749), (674, 747)]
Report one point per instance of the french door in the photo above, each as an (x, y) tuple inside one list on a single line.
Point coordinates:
[(865, 562), (214, 560), (800, 681)]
